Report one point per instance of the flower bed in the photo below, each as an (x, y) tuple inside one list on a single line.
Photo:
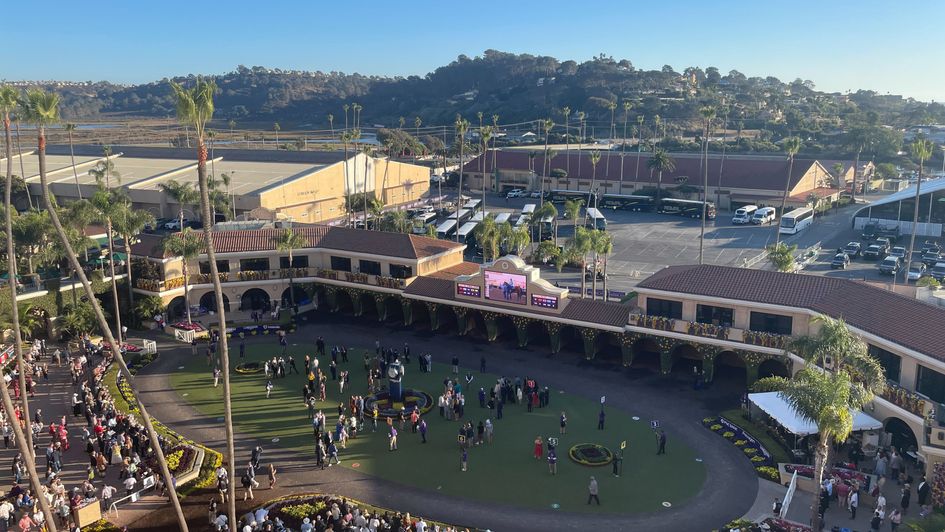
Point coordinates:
[(938, 485), (765, 339), (591, 454), (180, 459), (759, 456), (249, 368), (126, 347), (708, 330), (839, 473), (293, 509), (184, 326), (656, 322)]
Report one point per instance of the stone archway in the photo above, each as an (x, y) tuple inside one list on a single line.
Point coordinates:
[(774, 367), (254, 299), (571, 339), (365, 304), (903, 437), (176, 309), (419, 314), (301, 296), (536, 331), (687, 359), (209, 302), (390, 308), (445, 317), (729, 365), (475, 323), (343, 301), (646, 354), (507, 330)]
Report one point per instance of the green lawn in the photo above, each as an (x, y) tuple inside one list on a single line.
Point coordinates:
[(778, 452), (503, 472)]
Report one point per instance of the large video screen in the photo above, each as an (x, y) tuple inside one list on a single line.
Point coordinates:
[(508, 287)]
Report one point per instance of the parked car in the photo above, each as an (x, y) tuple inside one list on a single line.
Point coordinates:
[(938, 272), (898, 252), (853, 249), (175, 224), (885, 241), (917, 270), (931, 245), (515, 193), (931, 258), (874, 252), (891, 265), (536, 194), (840, 261), (764, 215)]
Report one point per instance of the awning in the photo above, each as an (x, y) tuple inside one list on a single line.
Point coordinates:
[(775, 406)]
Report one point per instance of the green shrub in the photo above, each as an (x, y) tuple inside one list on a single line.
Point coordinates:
[(741, 443), (301, 511), (768, 473), (728, 435), (716, 427)]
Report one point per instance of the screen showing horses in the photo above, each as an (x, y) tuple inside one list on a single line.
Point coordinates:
[(509, 287)]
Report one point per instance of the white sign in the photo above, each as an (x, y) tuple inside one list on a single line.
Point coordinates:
[(602, 399), (655, 424), (789, 495)]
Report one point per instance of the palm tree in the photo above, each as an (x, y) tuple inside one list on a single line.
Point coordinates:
[(605, 246), (8, 103), (829, 398), (599, 240), (640, 120), (580, 117), (708, 114), (572, 208), (277, 128), (718, 188), (920, 149), (289, 241), (107, 204), (566, 111), (546, 210), (188, 245), (331, 124), (579, 246), (612, 106), (547, 124), (623, 146), (462, 126), (495, 152), (70, 127), (195, 107), (42, 108), (595, 158), (519, 239), (486, 133), (103, 170), (487, 234), (366, 150), (345, 138), (128, 223), (19, 152), (183, 194), (345, 107), (792, 145), (660, 161), (232, 125)]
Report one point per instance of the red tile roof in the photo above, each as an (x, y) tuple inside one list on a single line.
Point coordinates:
[(822, 192), (148, 245), (249, 240), (383, 243), (750, 172), (463, 268), (896, 318)]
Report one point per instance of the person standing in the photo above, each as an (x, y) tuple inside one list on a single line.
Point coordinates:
[(906, 497), (895, 519), (268, 388), (854, 502), (489, 431), (600, 420), (592, 492), (216, 377), (539, 447), (552, 461), (564, 424), (272, 475), (876, 521), (661, 442), (455, 365), (895, 465), (464, 459), (923, 491), (482, 365), (242, 347), (423, 430), (393, 438)]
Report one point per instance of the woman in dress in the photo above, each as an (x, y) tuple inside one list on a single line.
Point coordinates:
[(272, 475), (539, 448)]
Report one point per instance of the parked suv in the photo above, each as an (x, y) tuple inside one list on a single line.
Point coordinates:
[(840, 261), (874, 252), (853, 249), (917, 270), (938, 272), (899, 252), (515, 193), (891, 265)]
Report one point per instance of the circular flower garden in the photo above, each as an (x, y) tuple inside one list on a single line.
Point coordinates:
[(249, 368), (591, 454), (413, 399)]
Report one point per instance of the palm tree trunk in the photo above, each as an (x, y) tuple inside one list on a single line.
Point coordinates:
[(291, 280), (111, 266), (459, 193), (583, 275), (606, 296), (19, 151), (787, 189), (11, 280), (915, 220), (131, 292), (594, 279), (78, 188), (221, 320), (820, 462), (22, 443), (186, 290), (659, 188), (705, 194), (103, 324)]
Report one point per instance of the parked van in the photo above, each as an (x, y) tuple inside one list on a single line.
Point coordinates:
[(744, 214), (764, 215)]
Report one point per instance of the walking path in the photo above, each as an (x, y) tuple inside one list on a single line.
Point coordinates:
[(729, 490)]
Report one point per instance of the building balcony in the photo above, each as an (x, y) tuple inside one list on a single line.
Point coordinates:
[(157, 286), (907, 400), (707, 330)]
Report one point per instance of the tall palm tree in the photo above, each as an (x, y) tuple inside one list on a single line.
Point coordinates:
[(547, 209), (605, 246), (579, 246), (567, 137), (495, 152), (486, 134), (791, 146), (595, 158), (580, 117), (660, 161), (612, 107), (232, 125), (331, 124), (546, 124), (487, 236), (70, 127), (640, 120), (128, 223), (572, 208), (289, 241), (708, 115), (8, 103), (462, 126), (345, 139), (42, 109), (107, 205), (183, 194), (19, 152), (188, 245), (277, 128), (623, 145), (195, 107), (599, 242), (718, 188), (366, 151), (920, 149), (829, 398)]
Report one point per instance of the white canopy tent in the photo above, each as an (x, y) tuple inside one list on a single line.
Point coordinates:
[(775, 406)]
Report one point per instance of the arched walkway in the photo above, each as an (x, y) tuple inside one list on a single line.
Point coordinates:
[(571, 340), (537, 333), (608, 348), (686, 360), (254, 299), (446, 319), (368, 304), (420, 314), (506, 331), (301, 296), (646, 355), (903, 438), (209, 302), (730, 367), (394, 310), (176, 309), (343, 301), (773, 367), (475, 325)]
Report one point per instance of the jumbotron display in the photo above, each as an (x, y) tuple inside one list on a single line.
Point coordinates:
[(508, 287)]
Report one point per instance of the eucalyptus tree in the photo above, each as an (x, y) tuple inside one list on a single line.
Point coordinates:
[(791, 146), (42, 109), (195, 108)]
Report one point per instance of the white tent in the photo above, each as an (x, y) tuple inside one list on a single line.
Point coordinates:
[(775, 406)]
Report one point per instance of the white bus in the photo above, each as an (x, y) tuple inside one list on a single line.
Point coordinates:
[(595, 219), (446, 228), (424, 217), (478, 217), (528, 209), (502, 217), (523, 219), (472, 204), (466, 231), (796, 221), (460, 217)]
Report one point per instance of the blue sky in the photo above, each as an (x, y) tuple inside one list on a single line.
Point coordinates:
[(841, 45)]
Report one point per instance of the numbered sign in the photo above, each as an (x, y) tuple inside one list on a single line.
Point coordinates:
[(655, 424)]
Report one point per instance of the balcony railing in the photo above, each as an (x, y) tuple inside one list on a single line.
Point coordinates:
[(156, 285), (906, 399), (765, 339), (708, 330), (655, 322)]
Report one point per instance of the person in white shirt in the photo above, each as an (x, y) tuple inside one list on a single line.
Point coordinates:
[(130, 484), (420, 525)]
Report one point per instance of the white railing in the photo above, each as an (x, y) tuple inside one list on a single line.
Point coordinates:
[(147, 483)]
